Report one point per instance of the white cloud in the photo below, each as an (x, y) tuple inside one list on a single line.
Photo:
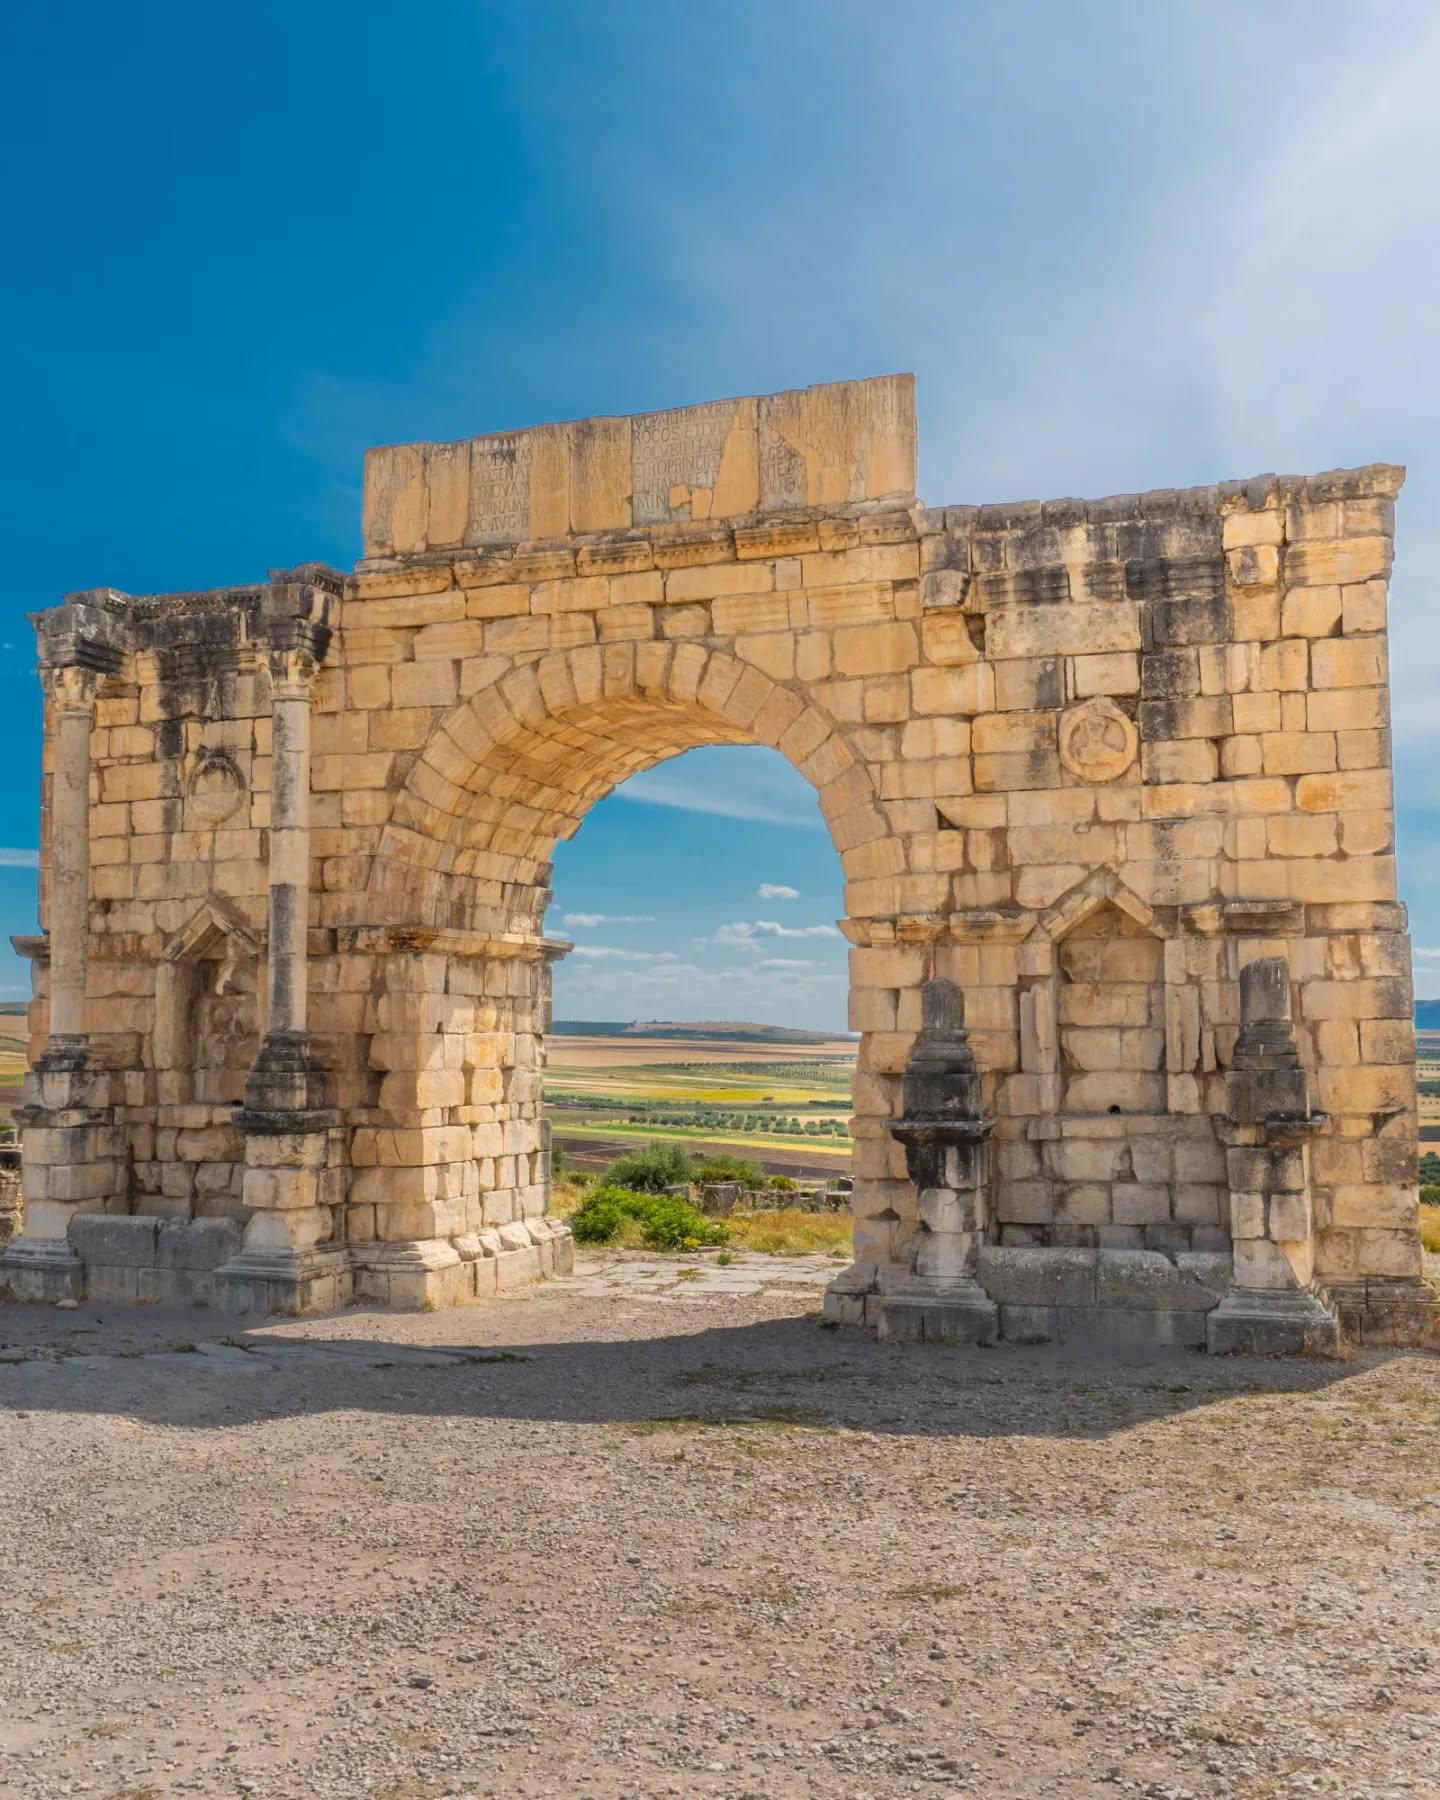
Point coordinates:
[(766, 793), (19, 859), (1421, 950), (776, 890), (611, 953), (587, 921), (747, 931), (786, 962)]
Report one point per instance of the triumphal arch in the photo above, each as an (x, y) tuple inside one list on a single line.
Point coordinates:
[(1109, 781)]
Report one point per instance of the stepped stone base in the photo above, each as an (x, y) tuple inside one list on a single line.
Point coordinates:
[(924, 1311), (1279, 1324), (141, 1258), (41, 1272), (1116, 1297)]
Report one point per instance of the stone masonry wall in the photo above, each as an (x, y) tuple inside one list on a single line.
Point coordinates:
[(1084, 759)]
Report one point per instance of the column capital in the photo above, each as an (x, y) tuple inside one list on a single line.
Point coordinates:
[(292, 668), (71, 688), (295, 624), (88, 631)]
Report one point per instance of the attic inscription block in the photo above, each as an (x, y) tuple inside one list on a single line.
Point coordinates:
[(500, 487)]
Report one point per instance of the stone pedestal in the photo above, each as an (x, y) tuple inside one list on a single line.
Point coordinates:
[(1249, 1322), (947, 1155), (289, 1260), (1272, 1309)]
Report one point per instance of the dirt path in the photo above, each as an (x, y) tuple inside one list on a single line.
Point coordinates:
[(648, 1535)]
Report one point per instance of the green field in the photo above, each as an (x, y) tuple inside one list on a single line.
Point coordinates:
[(12, 1061), (785, 1107)]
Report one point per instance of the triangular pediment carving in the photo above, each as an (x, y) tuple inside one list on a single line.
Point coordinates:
[(212, 934), (1102, 887)]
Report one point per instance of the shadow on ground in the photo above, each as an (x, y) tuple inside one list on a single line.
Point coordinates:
[(189, 1369)]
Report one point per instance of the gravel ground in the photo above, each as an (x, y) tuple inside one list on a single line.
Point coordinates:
[(658, 1534)]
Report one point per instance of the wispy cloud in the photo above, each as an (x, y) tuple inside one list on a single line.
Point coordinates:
[(786, 962), (766, 793), (776, 890), (612, 953), (588, 921), (747, 931), (19, 859)]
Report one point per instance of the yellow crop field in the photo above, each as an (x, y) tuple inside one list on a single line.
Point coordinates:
[(783, 1105)]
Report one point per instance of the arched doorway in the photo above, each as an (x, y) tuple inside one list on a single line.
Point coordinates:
[(465, 862)]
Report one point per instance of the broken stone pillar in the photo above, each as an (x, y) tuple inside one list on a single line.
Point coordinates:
[(1272, 1307), (947, 1155), (69, 1141), (294, 1147)]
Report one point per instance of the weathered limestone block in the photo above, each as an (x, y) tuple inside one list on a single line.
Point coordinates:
[(1086, 760)]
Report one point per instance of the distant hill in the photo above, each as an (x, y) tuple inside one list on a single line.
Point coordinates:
[(701, 1028)]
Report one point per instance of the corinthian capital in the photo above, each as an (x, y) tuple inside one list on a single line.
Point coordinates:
[(292, 669), (70, 689)]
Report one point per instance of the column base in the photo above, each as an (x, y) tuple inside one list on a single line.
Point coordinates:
[(428, 1273), (853, 1296), (952, 1311), (41, 1271), (425, 1275), (293, 1282), (1257, 1322)]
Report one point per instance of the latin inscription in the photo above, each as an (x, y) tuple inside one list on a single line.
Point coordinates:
[(500, 488), (782, 471), (675, 449)]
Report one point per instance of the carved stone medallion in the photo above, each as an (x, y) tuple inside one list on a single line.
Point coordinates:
[(216, 786), (1097, 741)]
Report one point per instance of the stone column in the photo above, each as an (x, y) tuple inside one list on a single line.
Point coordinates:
[(283, 1077), (293, 1183), (69, 1142), (1271, 1308), (72, 704)]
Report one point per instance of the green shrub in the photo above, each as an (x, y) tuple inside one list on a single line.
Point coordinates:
[(651, 1170), (609, 1214), (782, 1184), (1430, 1196), (729, 1168)]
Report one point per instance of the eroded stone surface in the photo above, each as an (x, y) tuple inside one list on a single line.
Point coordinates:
[(1085, 760)]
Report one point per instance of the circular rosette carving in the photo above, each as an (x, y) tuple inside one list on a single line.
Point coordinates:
[(1097, 741), (216, 786)]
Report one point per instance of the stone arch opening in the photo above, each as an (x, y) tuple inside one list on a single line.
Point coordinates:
[(457, 1046), (513, 769)]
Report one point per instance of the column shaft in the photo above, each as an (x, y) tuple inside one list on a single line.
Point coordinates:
[(69, 921), (289, 857)]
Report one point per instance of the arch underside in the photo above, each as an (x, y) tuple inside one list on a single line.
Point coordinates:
[(513, 770)]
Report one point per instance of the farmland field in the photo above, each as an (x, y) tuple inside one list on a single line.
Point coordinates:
[(12, 1059), (1427, 1071), (785, 1106)]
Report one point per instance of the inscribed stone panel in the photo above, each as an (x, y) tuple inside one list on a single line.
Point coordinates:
[(500, 488), (679, 449)]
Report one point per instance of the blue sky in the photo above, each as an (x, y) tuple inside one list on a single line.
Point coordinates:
[(1121, 245)]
